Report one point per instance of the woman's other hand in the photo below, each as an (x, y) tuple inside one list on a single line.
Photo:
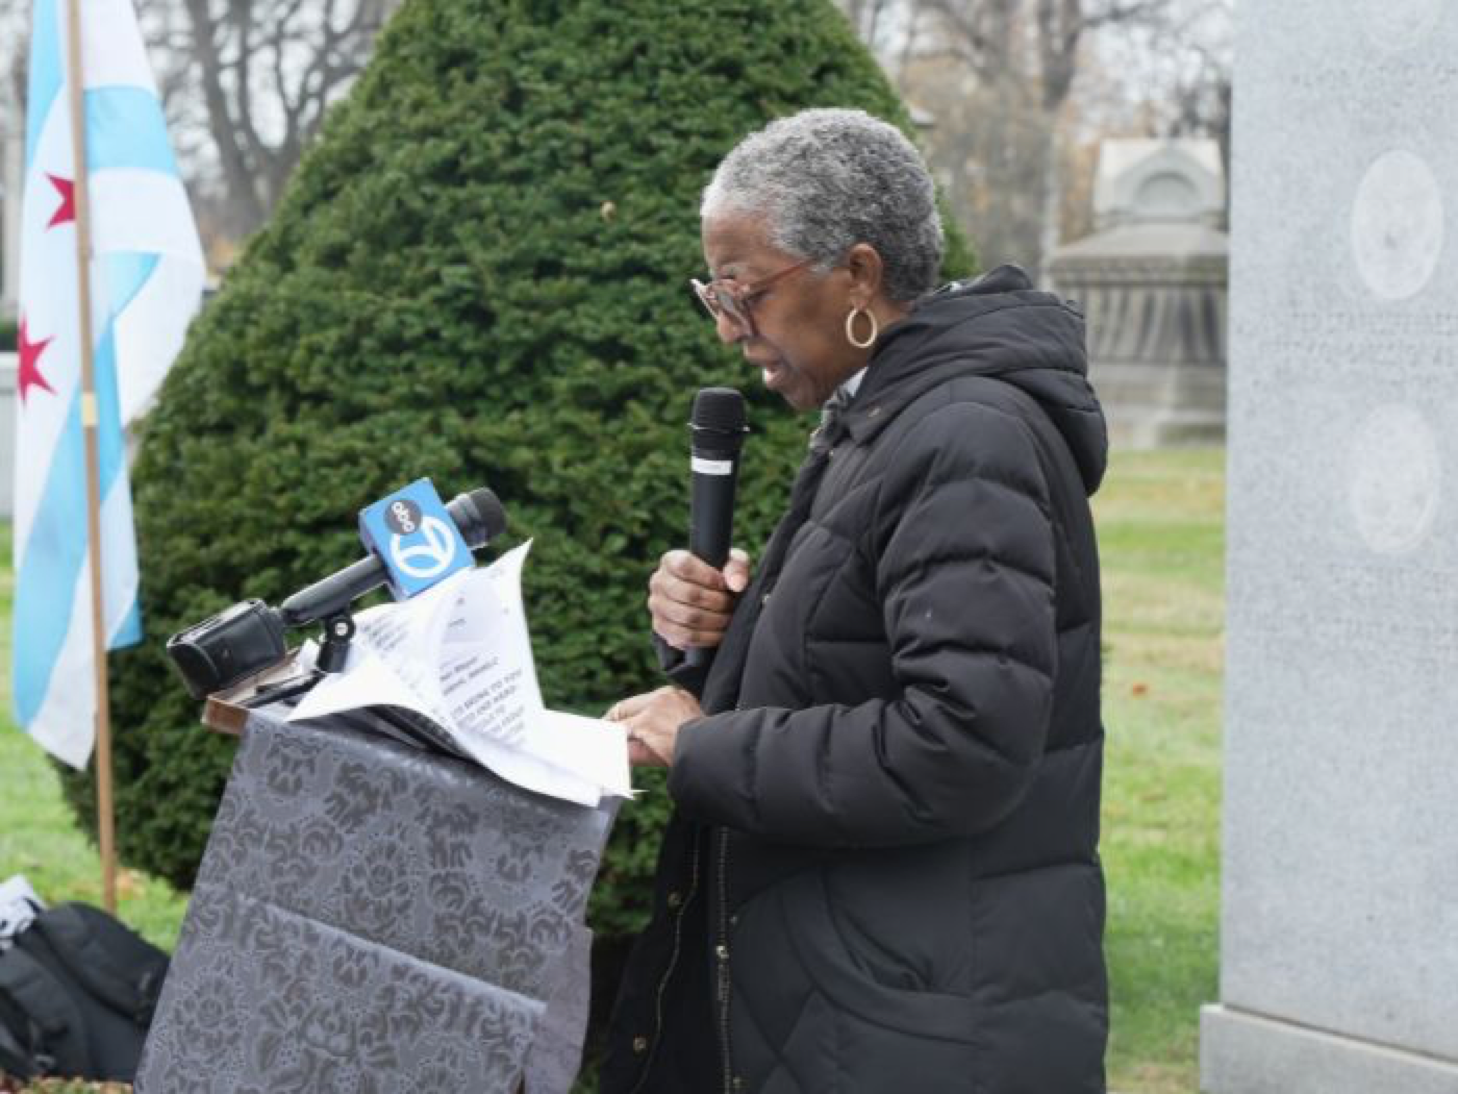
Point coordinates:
[(653, 720)]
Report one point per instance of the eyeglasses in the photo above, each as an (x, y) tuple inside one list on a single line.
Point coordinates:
[(725, 297)]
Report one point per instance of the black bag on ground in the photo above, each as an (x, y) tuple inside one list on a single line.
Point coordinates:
[(77, 990)]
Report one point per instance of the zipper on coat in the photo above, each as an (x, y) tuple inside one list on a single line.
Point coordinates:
[(721, 959), (721, 948), (681, 912)]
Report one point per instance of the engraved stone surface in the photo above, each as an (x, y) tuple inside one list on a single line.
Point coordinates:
[(1397, 225), (1398, 24), (1339, 918), (1395, 479)]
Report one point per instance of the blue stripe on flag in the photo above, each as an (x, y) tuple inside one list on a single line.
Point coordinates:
[(130, 632), (46, 72), (45, 588), (125, 128), (125, 272)]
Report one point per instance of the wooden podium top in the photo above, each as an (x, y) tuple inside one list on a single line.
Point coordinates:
[(227, 711)]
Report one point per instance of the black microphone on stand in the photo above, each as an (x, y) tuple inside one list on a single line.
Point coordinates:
[(716, 434), (480, 518), (240, 641)]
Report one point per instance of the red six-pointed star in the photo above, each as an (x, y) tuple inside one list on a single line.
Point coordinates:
[(30, 374), (66, 211)]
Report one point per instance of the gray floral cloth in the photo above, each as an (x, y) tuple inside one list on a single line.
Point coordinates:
[(374, 917)]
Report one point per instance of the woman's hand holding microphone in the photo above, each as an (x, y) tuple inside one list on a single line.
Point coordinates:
[(691, 604)]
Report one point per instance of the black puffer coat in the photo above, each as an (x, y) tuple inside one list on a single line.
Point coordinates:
[(883, 871)]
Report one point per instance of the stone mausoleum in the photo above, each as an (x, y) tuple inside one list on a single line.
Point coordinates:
[(1152, 281)]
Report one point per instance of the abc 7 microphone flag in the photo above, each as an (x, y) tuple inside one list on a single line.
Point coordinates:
[(414, 534)]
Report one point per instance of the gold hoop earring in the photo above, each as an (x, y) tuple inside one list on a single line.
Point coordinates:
[(850, 328)]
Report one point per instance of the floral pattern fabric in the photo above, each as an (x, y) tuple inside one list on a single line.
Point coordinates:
[(373, 917)]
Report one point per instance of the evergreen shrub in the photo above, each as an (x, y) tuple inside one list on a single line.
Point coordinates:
[(478, 274)]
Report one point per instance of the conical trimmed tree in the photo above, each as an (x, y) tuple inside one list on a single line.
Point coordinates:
[(479, 274)]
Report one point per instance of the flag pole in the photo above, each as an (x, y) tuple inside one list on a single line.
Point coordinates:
[(90, 420)]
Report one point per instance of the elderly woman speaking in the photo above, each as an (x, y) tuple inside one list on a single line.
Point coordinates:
[(882, 872)]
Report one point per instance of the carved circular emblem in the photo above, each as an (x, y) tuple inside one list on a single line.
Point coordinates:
[(1397, 225), (1394, 476)]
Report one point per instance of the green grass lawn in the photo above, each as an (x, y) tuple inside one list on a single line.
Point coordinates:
[(1161, 537), (1161, 528)]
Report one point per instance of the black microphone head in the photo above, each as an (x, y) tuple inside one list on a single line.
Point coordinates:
[(479, 515), (719, 411)]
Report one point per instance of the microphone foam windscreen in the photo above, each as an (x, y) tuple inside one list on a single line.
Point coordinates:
[(718, 409), (487, 517)]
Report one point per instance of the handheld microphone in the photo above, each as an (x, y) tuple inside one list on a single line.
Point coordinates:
[(716, 431)]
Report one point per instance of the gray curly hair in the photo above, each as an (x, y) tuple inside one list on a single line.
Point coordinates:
[(829, 179)]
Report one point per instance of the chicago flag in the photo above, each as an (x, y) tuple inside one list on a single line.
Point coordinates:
[(146, 275)]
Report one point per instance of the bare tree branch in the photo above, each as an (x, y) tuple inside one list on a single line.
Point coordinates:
[(262, 74)]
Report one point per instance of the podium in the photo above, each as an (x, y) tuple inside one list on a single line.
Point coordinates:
[(373, 916)]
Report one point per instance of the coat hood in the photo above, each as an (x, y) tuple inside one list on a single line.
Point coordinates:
[(998, 326)]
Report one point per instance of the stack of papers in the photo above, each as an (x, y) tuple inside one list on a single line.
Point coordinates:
[(460, 655)]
